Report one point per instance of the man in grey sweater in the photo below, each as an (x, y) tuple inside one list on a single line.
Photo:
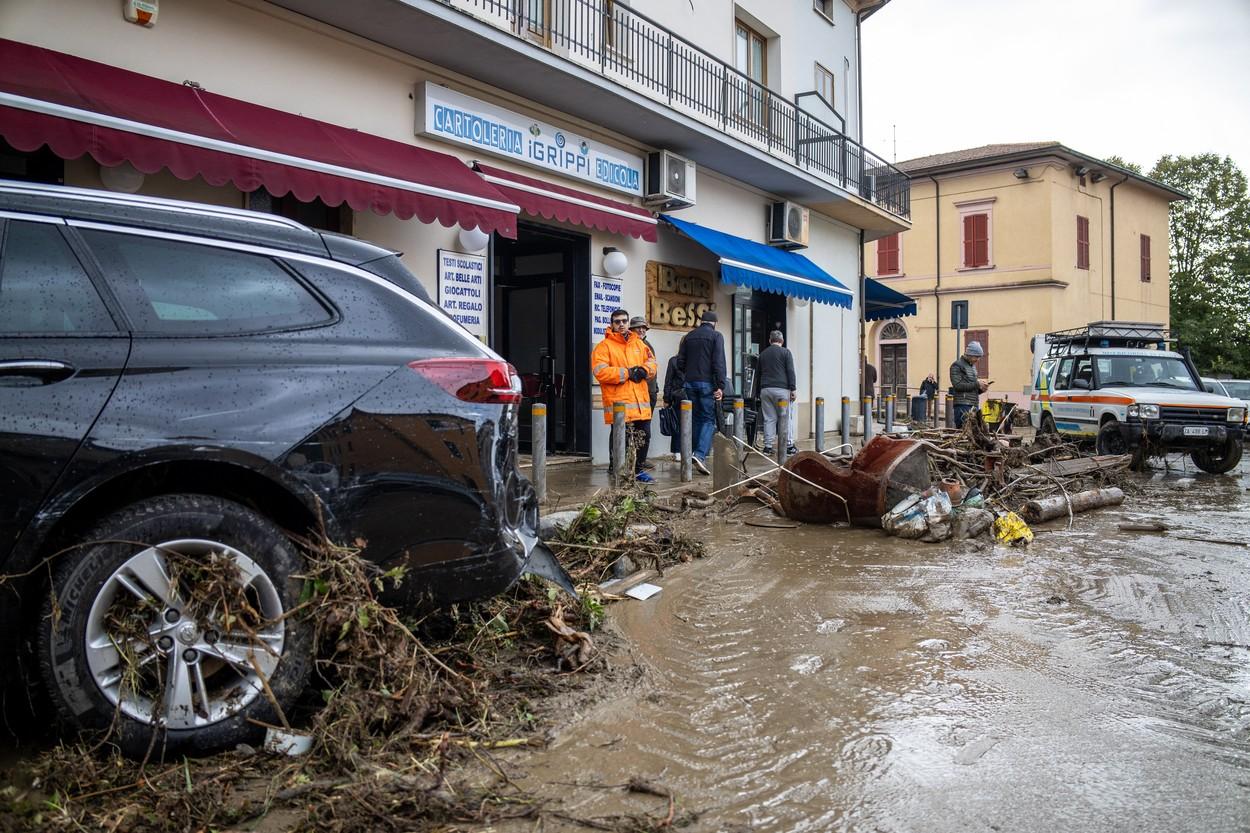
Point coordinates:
[(776, 371), (965, 386)]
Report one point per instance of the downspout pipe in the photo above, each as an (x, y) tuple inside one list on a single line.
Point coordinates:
[(937, 270), (863, 313), (1113, 187)]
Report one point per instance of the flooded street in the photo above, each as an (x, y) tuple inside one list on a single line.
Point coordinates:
[(836, 679)]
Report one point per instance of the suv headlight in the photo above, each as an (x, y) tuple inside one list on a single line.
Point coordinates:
[(1144, 411), (1236, 414)]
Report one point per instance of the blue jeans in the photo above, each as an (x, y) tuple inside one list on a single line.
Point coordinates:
[(702, 417), (962, 411)]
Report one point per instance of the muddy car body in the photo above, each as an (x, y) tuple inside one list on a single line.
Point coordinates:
[(186, 381)]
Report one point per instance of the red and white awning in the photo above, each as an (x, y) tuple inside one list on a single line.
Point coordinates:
[(557, 202), (76, 106)]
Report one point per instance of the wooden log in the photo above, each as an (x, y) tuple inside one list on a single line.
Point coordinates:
[(1047, 509)]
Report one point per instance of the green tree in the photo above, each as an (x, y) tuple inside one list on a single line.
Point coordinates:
[(1121, 162), (1210, 245)]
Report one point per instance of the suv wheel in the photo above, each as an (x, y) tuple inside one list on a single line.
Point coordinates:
[(1111, 440), (1218, 459), (1047, 425), (170, 621)]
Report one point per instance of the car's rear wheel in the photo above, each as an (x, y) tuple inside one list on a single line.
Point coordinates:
[(1218, 459), (1047, 425), (169, 626)]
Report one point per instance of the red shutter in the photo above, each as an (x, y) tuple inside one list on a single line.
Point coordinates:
[(1145, 258), (983, 338), (887, 255), (1082, 242), (976, 240)]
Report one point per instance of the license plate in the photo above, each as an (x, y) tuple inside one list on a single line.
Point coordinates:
[(1196, 430)]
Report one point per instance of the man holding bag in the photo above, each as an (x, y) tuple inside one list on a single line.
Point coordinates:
[(622, 363)]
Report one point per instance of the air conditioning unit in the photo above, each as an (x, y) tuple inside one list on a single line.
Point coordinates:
[(787, 225), (670, 180)]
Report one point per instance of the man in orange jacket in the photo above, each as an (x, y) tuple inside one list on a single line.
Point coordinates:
[(622, 363)]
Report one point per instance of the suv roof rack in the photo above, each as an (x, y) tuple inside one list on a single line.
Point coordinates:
[(1135, 334)]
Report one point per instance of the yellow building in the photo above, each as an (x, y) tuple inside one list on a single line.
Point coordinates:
[(1023, 234)]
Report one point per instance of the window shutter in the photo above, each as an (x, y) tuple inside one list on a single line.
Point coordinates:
[(1145, 258), (983, 337), (887, 255), (976, 240), (1082, 242)]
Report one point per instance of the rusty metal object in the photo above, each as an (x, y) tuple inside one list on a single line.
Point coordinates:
[(884, 472)]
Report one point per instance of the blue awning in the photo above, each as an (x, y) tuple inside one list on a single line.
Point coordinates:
[(768, 269), (884, 302)]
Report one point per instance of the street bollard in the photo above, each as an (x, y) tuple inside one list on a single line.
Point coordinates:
[(889, 414), (616, 463), (740, 420), (820, 423), (538, 444), (950, 413), (687, 441), (783, 429), (867, 420), (846, 421)]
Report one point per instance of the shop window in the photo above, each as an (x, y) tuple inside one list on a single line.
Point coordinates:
[(315, 214), (40, 165), (1082, 242)]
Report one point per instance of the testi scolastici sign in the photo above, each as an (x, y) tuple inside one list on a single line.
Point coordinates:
[(455, 117)]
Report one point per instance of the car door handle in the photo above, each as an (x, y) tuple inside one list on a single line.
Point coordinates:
[(42, 369)]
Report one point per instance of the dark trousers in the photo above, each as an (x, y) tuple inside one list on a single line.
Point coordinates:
[(638, 437), (703, 418), (962, 411)]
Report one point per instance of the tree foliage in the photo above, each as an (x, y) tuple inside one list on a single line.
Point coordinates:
[(1210, 247), (1121, 162)]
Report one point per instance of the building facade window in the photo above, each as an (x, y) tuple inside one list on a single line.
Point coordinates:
[(981, 337), (824, 85), (824, 7), (976, 222), (1145, 258), (1082, 242), (888, 260), (751, 59)]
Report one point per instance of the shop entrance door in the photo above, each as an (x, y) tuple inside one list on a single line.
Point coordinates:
[(894, 374), (756, 314), (542, 326)]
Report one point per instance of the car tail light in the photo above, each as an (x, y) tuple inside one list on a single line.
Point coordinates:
[(473, 380)]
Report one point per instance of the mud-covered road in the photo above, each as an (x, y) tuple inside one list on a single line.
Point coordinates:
[(835, 679)]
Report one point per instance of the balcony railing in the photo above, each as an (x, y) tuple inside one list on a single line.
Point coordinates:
[(627, 46)]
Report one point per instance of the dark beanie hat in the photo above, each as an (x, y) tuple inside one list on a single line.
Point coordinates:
[(709, 317)]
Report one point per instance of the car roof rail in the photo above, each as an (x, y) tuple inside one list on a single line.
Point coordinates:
[(1133, 334), (111, 198)]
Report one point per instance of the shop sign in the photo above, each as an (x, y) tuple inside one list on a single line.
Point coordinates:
[(606, 295), (462, 290), (677, 295), (454, 117)]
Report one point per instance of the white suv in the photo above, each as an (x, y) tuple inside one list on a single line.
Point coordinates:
[(1117, 384)]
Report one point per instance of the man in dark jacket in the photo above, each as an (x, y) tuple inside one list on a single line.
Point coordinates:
[(674, 393), (702, 362), (966, 388), (776, 375)]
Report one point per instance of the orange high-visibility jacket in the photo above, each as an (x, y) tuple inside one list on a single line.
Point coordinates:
[(610, 362)]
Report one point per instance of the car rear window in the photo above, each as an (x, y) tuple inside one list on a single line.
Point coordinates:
[(171, 287), (43, 288)]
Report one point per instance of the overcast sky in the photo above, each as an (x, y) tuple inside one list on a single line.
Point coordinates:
[(1137, 78)]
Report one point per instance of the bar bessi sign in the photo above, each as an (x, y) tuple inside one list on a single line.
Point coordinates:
[(677, 296), (462, 289)]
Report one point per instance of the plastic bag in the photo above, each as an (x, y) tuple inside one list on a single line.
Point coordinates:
[(924, 516), (1010, 529)]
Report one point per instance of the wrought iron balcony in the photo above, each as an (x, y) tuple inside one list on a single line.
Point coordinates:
[(628, 47)]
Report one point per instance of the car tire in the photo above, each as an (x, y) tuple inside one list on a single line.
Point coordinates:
[(134, 639), (1221, 463), (1047, 425), (1110, 440)]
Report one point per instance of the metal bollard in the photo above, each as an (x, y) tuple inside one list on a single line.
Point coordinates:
[(820, 423), (846, 421), (616, 463), (783, 429), (740, 420), (867, 420), (538, 444), (950, 413), (889, 414), (687, 441)]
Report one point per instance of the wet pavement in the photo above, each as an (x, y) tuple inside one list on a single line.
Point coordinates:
[(835, 679)]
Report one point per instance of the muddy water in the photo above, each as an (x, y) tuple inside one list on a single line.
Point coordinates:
[(821, 679)]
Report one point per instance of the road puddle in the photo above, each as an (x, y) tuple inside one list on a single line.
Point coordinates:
[(837, 679)]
